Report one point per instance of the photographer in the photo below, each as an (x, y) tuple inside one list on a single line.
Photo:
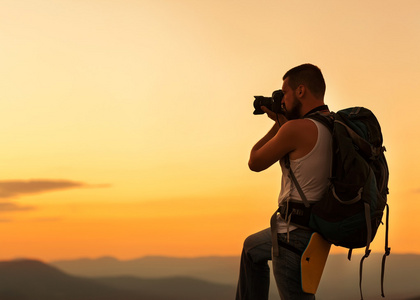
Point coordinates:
[(306, 143)]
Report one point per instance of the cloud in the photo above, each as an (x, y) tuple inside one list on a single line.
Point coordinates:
[(16, 188), (14, 207), (47, 219)]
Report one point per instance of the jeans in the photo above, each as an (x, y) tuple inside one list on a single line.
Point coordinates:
[(254, 273), (286, 266)]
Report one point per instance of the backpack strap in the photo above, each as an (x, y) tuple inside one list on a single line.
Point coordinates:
[(273, 220), (297, 185), (369, 237), (367, 250), (278, 243), (273, 226), (387, 250), (325, 119)]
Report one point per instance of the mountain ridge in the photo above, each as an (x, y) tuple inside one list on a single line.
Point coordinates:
[(401, 272), (52, 282), (42, 281)]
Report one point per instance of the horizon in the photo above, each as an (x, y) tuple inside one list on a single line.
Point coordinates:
[(127, 127), (355, 254), (400, 279)]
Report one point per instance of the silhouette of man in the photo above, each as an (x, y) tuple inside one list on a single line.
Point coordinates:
[(306, 143)]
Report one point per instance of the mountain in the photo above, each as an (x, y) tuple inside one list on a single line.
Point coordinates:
[(340, 278), (30, 279), (215, 269), (172, 288)]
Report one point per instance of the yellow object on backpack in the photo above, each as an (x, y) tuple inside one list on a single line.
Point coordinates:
[(313, 262)]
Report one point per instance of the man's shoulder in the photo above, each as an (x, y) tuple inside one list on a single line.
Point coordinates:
[(299, 124), (299, 129)]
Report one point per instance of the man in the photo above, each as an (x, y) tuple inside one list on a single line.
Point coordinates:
[(307, 145)]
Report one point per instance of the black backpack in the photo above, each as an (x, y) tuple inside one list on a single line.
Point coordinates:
[(351, 211)]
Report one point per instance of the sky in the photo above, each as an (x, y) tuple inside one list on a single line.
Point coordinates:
[(126, 126)]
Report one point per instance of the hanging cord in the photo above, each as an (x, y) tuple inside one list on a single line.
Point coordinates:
[(361, 271), (288, 227), (288, 219), (278, 120), (367, 250), (387, 251)]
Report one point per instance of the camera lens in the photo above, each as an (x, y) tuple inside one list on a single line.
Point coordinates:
[(272, 103), (262, 101)]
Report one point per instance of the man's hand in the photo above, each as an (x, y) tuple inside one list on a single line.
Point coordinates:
[(273, 116)]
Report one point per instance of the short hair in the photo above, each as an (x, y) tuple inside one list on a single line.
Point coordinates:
[(308, 75)]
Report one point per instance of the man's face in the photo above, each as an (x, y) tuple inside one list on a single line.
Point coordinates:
[(290, 104)]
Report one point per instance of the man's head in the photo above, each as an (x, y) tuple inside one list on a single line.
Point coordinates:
[(308, 75), (304, 89)]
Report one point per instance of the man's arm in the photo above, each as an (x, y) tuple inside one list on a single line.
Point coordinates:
[(270, 134), (269, 149), (296, 137)]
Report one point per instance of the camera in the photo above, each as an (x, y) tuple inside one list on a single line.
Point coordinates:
[(273, 103)]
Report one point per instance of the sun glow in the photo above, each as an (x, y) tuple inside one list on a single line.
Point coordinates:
[(147, 105)]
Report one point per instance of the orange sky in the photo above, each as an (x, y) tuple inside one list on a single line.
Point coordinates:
[(126, 125)]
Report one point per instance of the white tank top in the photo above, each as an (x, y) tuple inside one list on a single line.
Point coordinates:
[(312, 172)]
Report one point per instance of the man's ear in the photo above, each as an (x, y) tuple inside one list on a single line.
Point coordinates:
[(300, 91)]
